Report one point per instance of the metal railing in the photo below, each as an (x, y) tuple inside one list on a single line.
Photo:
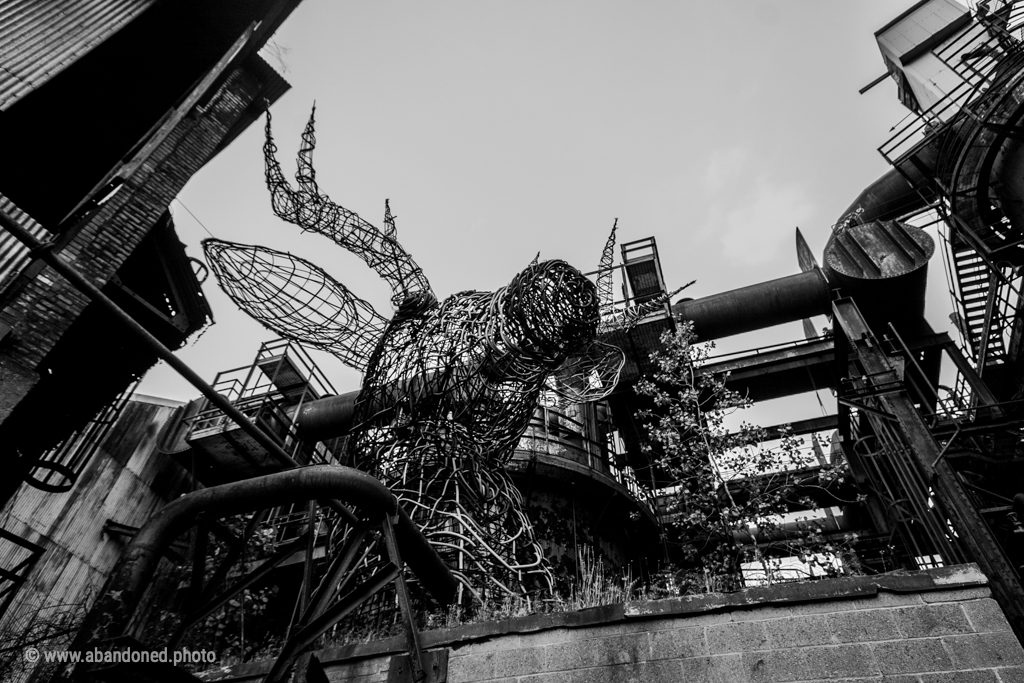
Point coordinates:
[(763, 350), (986, 294), (555, 433), (270, 392), (980, 57)]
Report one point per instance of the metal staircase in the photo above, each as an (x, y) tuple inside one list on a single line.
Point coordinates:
[(954, 144), (983, 311)]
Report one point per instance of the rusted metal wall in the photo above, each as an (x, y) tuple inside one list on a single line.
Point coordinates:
[(126, 481), (40, 39)]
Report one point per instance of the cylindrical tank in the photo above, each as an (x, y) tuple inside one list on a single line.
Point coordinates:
[(883, 265), (583, 507)]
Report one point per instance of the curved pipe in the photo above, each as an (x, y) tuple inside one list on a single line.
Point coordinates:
[(134, 571), (887, 198), (758, 306)]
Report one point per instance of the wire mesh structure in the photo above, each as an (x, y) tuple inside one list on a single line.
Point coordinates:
[(314, 211), (449, 387), (297, 299)]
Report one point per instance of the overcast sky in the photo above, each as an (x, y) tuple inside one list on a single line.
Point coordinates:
[(498, 129)]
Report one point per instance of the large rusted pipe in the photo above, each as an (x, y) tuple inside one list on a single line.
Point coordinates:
[(330, 417), (758, 306), (134, 571), (800, 296), (890, 196), (326, 418)]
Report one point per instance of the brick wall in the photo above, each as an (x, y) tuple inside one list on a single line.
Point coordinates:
[(49, 304), (45, 307), (939, 626)]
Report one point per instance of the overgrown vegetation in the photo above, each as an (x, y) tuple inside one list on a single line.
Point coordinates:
[(243, 629), (731, 505), (46, 626)]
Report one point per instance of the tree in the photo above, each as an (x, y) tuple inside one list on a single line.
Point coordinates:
[(45, 626), (726, 493)]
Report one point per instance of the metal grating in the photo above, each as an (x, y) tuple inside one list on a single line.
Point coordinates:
[(642, 265)]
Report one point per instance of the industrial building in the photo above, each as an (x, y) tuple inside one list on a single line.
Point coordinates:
[(188, 81), (929, 425)]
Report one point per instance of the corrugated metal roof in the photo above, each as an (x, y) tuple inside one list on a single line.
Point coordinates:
[(13, 254), (39, 38)]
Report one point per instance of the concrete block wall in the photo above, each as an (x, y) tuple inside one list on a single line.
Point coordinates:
[(939, 626)]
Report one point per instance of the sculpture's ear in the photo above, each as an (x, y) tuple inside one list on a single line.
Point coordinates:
[(297, 300), (589, 375)]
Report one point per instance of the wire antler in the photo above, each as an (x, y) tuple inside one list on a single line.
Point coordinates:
[(313, 211), (628, 318), (604, 274)]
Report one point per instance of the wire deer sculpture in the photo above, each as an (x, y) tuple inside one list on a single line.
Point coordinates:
[(460, 378)]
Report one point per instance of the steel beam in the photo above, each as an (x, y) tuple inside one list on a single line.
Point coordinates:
[(970, 527), (249, 579), (305, 636), (337, 575), (412, 636), (782, 371)]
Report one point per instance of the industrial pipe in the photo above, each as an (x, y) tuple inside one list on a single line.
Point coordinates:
[(758, 306), (134, 570), (326, 418), (330, 417), (801, 296), (887, 198)]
